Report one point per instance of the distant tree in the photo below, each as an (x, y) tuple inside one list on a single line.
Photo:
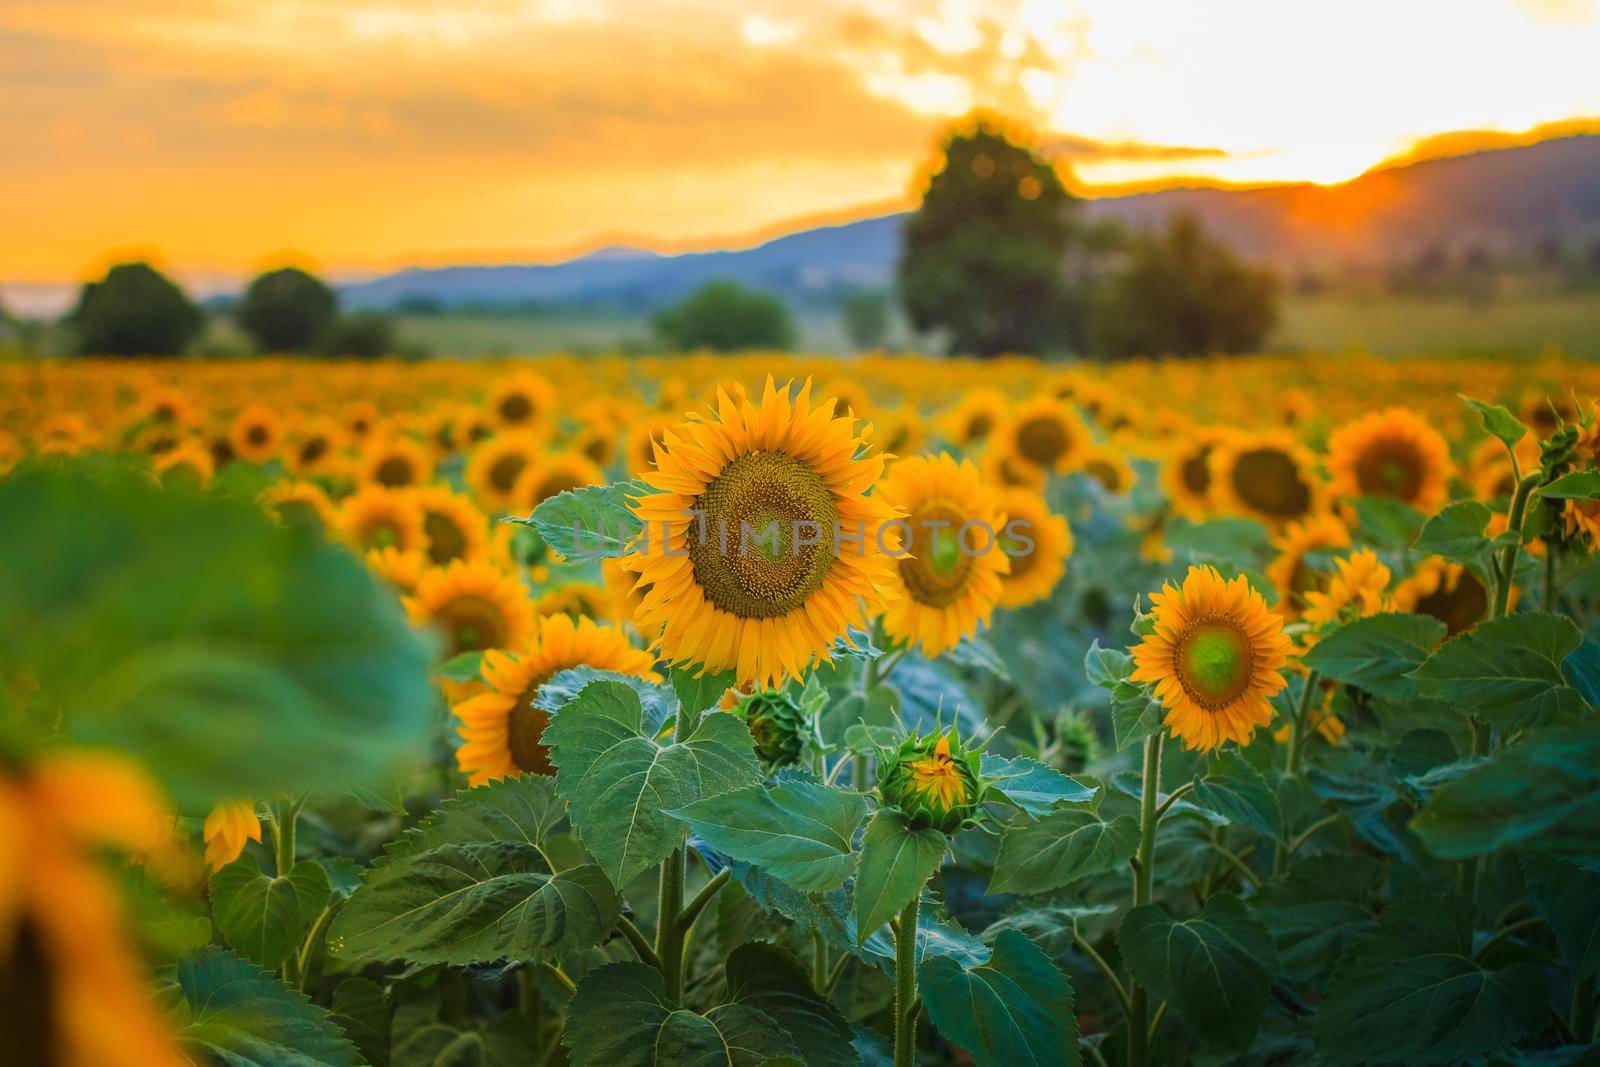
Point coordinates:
[(135, 310), (725, 316), (982, 258), (362, 336), (1182, 293), (287, 310), (866, 317)]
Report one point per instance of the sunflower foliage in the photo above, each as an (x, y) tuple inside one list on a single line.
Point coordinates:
[(1224, 786)]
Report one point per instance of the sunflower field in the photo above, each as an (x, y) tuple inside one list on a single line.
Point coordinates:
[(771, 710)]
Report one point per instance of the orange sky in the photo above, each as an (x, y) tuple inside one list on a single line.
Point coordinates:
[(219, 135)]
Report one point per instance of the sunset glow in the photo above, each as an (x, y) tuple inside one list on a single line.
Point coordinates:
[(370, 133)]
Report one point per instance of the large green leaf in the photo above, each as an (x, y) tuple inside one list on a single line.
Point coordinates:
[(697, 691), (1032, 786), (266, 918), (1543, 793), (435, 1043), (1215, 968), (1234, 789), (620, 1017), (230, 1011), (1038, 855), (1013, 1010), (1134, 715), (620, 784), (1456, 534), (1507, 671), (1578, 485), (896, 862), (473, 885), (797, 830), (1498, 421), (233, 656), (1412, 993), (1378, 653), (595, 522), (362, 1011), (1568, 893), (1315, 911)]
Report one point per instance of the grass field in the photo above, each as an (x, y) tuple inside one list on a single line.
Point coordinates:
[(1385, 326)]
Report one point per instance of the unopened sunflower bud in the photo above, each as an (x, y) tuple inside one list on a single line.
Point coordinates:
[(934, 780), (777, 723)]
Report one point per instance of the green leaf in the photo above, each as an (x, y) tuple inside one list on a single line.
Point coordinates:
[(230, 1011), (266, 918), (473, 885), (1456, 533), (1411, 992), (1134, 715), (1582, 670), (462, 668), (696, 693), (362, 1011), (1543, 793), (620, 1017), (1506, 671), (1038, 855), (855, 644), (1215, 968), (1378, 653), (1015, 1010), (435, 1043), (1315, 911), (1498, 421), (1214, 539), (1568, 895), (797, 830), (1107, 667), (595, 522), (1234, 789), (976, 653), (1032, 786), (230, 655), (1386, 522), (896, 862), (1579, 485), (620, 784)]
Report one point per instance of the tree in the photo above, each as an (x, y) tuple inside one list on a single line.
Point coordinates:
[(725, 316), (287, 310), (982, 258), (866, 317), (1183, 294), (135, 310), (362, 336)]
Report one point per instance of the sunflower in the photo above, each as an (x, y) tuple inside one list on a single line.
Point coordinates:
[(359, 418), (1358, 588), (1581, 519), (596, 442), (550, 475), (494, 466), (472, 427), (1393, 453), (978, 415), (395, 462), (476, 606), (1289, 571), (1447, 591), (230, 824), (1269, 476), (314, 447), (1186, 473), (157, 438), (169, 406), (1321, 719), (767, 475), (644, 437), (1046, 434), (621, 589), (75, 988), (453, 525), (65, 434), (900, 431), (438, 429), (256, 434), (1108, 467), (1215, 655), (577, 600), (1001, 468), (402, 570), (1546, 412), (949, 576), (521, 401), (501, 728), (1036, 567), (300, 503), (375, 517), (190, 463)]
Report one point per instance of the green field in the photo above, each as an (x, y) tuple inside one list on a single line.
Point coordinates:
[(1384, 325)]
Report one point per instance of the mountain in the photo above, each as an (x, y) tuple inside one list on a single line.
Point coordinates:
[(1507, 199)]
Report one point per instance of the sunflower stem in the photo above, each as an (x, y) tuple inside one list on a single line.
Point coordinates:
[(1582, 1017), (1548, 601), (906, 1002), (1508, 555), (1143, 888), (669, 935), (689, 914)]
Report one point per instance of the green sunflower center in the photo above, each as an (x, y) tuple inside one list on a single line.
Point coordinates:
[(1042, 440), (1214, 662), (1390, 468), (1269, 481), (763, 541), (937, 569)]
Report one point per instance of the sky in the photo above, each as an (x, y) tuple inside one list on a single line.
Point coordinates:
[(220, 136)]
